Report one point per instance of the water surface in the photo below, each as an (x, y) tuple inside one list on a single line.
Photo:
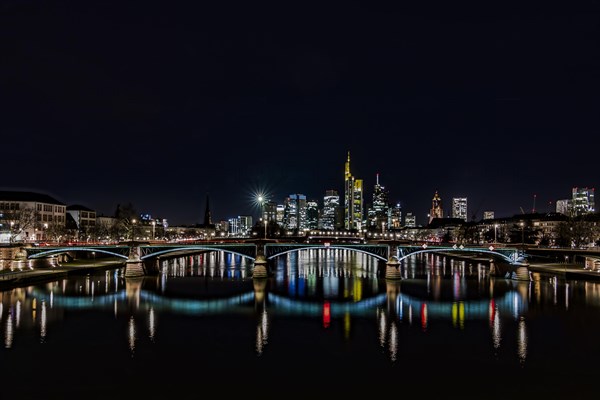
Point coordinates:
[(325, 323)]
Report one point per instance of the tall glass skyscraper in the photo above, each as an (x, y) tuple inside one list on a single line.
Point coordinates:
[(331, 204), (353, 200), (459, 208)]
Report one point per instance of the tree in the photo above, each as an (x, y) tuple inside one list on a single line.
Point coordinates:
[(127, 217), (20, 221)]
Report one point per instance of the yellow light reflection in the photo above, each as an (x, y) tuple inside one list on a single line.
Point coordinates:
[(131, 335), (522, 341), (43, 322)]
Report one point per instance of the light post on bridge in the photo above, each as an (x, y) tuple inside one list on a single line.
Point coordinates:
[(522, 234), (133, 222), (495, 233), (261, 199)]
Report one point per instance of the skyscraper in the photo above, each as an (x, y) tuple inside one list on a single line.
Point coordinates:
[(294, 217), (331, 204), (378, 212), (353, 200), (583, 201), (459, 208)]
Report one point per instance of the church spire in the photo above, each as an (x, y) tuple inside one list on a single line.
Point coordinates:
[(207, 216)]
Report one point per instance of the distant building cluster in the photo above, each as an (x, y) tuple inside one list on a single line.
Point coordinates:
[(29, 216)]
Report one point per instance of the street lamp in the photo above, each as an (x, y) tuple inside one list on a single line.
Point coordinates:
[(153, 227), (261, 199), (495, 233), (522, 233), (133, 221), (44, 232)]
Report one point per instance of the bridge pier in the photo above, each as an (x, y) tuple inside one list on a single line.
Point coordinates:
[(260, 269), (392, 269), (392, 266), (134, 266)]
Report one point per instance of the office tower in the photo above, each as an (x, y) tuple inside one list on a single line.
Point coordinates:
[(378, 212), (488, 215), (459, 208), (410, 221), (563, 206), (280, 212), (331, 205), (270, 210), (294, 215), (234, 227), (353, 200), (312, 214), (436, 207), (583, 201), (395, 216)]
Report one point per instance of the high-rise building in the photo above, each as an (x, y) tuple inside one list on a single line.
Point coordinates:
[(312, 214), (436, 207), (270, 210), (240, 226), (410, 221), (395, 216), (294, 215), (353, 200), (563, 206), (378, 212), (331, 205), (459, 208), (583, 201), (280, 213)]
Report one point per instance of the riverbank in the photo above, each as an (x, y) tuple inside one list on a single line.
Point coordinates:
[(566, 270), (11, 279)]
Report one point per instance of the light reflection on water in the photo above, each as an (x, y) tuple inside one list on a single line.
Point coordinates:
[(445, 314)]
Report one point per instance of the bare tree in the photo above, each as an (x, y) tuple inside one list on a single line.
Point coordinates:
[(20, 221)]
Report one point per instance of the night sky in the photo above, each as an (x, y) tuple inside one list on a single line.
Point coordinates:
[(161, 104)]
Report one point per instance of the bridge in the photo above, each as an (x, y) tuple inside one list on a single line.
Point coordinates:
[(393, 253)]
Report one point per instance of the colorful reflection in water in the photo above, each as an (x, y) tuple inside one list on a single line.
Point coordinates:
[(320, 309)]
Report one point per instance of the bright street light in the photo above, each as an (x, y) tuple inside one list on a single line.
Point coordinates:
[(133, 221), (261, 200)]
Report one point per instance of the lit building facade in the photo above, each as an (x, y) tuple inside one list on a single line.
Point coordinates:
[(563, 206), (459, 208), (378, 212), (29, 216), (583, 201), (395, 216), (436, 207), (410, 221), (312, 214), (294, 215), (353, 200), (331, 205)]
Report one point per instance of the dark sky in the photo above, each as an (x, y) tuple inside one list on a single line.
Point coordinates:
[(163, 103)]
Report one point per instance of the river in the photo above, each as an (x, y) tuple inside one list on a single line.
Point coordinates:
[(324, 323)]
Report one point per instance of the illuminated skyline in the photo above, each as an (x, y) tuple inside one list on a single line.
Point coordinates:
[(161, 105)]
